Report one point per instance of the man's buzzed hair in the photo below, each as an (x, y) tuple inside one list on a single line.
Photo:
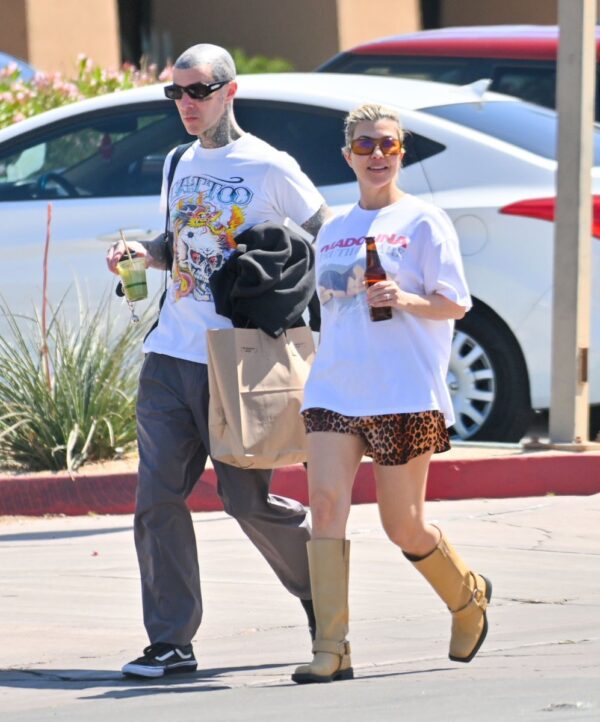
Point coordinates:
[(217, 58)]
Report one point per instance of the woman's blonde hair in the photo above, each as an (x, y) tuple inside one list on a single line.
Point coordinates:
[(371, 112)]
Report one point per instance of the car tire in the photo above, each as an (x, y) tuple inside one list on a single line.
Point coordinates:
[(488, 380)]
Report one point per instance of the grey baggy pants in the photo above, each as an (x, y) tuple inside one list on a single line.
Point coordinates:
[(172, 415)]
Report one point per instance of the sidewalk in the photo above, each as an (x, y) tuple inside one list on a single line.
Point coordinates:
[(467, 471), (71, 617)]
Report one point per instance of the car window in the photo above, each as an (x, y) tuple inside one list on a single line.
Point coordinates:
[(458, 71), (533, 83), (121, 152), (102, 154), (311, 135), (418, 148), (526, 126), (530, 80), (314, 137), (536, 85)]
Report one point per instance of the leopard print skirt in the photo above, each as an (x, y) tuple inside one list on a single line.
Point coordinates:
[(390, 439)]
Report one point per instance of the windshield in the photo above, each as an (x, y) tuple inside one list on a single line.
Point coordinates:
[(526, 126)]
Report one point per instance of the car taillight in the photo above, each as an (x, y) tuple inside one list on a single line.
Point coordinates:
[(544, 209)]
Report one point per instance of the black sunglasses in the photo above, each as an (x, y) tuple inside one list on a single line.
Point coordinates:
[(196, 91)]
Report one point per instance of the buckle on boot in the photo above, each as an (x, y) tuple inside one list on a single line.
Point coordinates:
[(326, 645), (477, 599)]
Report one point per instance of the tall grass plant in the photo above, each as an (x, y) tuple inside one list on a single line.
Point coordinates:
[(82, 408)]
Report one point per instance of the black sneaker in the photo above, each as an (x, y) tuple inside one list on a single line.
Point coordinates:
[(162, 658)]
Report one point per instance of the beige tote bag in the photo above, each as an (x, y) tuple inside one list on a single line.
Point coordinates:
[(256, 386)]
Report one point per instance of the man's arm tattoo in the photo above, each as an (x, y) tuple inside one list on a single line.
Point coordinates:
[(157, 251), (315, 222)]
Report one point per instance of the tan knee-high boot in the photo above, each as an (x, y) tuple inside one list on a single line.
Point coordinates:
[(329, 562), (465, 593)]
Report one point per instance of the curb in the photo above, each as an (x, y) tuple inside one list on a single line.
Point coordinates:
[(493, 478)]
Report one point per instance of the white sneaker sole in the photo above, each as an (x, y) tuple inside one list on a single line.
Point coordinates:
[(138, 670)]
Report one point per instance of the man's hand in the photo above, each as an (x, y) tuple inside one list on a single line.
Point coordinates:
[(118, 251)]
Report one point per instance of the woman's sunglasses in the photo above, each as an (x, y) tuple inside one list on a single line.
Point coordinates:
[(365, 145), (196, 91)]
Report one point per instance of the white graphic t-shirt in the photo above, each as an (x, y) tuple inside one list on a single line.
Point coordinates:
[(216, 194), (362, 367)]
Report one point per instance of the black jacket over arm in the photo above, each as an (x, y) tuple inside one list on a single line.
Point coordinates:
[(268, 281)]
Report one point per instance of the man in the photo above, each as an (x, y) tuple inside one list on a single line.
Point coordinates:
[(225, 182)]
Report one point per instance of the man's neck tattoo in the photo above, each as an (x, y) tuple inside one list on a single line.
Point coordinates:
[(223, 133)]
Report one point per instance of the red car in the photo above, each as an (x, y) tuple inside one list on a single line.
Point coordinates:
[(520, 60)]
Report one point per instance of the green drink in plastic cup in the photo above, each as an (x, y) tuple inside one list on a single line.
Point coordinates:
[(133, 277)]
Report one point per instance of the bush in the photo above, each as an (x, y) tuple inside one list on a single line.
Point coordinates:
[(259, 63), (83, 408), (20, 99)]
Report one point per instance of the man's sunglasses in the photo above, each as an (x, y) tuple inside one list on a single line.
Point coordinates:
[(365, 145), (196, 91)]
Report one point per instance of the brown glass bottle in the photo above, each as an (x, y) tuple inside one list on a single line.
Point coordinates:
[(375, 273)]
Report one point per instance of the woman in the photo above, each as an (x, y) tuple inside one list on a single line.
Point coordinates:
[(378, 388)]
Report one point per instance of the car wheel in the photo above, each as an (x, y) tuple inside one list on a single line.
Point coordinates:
[(488, 380)]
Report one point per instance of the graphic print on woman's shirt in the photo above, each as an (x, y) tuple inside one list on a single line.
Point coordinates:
[(342, 267), (207, 211)]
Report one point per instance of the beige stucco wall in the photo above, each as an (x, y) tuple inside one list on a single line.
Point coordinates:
[(50, 34), (363, 20), (305, 32), (296, 30)]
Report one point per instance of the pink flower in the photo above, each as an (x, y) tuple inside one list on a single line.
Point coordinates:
[(166, 74), (10, 69), (42, 80), (72, 91)]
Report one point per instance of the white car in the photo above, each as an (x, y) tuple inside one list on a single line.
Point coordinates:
[(480, 156)]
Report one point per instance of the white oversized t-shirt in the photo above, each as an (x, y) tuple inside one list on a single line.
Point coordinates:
[(216, 194), (365, 368)]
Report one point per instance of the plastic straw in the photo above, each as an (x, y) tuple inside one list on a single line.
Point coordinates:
[(125, 244)]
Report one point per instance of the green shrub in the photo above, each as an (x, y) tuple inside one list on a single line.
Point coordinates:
[(259, 63), (84, 408), (20, 99)]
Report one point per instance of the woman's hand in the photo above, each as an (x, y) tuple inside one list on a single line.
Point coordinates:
[(386, 293), (435, 306)]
